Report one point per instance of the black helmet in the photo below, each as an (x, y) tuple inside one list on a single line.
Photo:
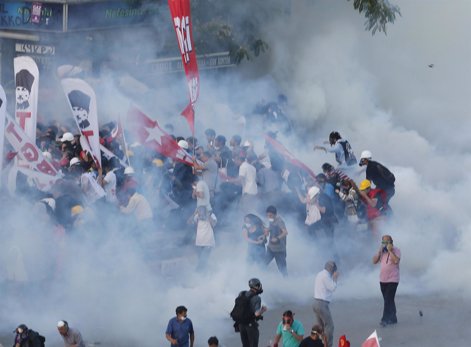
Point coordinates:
[(255, 283)]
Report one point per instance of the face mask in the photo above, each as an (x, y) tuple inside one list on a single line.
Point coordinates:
[(217, 148), (248, 225), (271, 220)]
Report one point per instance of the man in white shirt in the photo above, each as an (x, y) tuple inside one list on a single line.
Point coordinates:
[(325, 285), (248, 180)]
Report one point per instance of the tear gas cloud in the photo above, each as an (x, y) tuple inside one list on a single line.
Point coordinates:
[(377, 91)]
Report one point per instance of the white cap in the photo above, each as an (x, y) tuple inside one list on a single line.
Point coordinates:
[(67, 137), (129, 170), (60, 324), (50, 201), (366, 155), (74, 161), (312, 192), (183, 144)]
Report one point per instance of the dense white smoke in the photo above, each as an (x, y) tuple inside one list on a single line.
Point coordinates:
[(377, 91)]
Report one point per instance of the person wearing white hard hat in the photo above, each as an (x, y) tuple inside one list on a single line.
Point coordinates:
[(67, 137), (377, 173), (72, 337), (183, 144)]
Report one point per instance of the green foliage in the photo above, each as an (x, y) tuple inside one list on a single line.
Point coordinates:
[(378, 13)]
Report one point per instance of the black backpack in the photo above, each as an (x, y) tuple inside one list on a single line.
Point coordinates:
[(36, 339), (242, 312), (350, 158)]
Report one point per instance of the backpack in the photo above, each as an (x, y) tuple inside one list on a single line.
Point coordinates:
[(350, 158), (35, 337), (242, 312)]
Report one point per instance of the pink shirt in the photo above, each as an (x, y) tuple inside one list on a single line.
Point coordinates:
[(389, 271)]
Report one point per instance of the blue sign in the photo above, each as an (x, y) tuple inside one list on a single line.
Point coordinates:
[(107, 14), (19, 16)]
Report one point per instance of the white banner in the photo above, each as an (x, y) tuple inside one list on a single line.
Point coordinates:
[(38, 166), (82, 102), (3, 108), (26, 93)]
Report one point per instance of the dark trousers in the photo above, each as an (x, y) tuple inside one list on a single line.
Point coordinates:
[(389, 311), (249, 334), (280, 258)]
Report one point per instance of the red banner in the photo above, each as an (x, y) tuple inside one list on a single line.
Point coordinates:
[(150, 134), (288, 156), (38, 167), (181, 19)]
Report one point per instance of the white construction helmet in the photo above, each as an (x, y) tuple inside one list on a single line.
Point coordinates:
[(183, 144), (129, 170), (67, 137), (74, 161), (366, 155)]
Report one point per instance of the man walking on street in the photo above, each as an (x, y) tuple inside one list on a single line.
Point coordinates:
[(180, 331), (325, 285)]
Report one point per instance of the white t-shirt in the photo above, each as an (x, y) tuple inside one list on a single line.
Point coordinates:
[(110, 187), (204, 234), (202, 187), (249, 176)]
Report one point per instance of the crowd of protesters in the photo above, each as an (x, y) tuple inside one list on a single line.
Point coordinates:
[(229, 186)]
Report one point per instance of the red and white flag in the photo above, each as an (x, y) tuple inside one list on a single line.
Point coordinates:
[(288, 156), (3, 113), (371, 341), (38, 168), (82, 102), (26, 94), (150, 134), (181, 20)]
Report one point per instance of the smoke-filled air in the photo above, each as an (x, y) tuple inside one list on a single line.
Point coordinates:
[(308, 152)]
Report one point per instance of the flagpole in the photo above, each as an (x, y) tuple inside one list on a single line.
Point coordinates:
[(124, 142)]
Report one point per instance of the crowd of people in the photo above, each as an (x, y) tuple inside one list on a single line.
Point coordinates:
[(227, 185)]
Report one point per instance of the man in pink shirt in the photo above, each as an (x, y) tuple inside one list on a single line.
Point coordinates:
[(389, 257)]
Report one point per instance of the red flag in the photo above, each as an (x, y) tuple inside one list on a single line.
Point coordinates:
[(181, 19), (288, 156), (150, 134), (371, 341)]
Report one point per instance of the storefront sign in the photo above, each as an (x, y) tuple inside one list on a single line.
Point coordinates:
[(94, 15), (205, 62)]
